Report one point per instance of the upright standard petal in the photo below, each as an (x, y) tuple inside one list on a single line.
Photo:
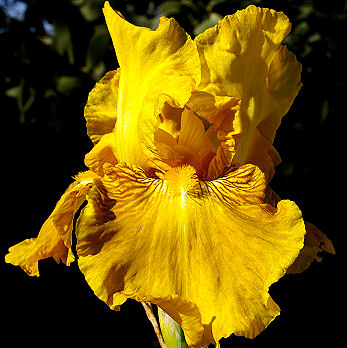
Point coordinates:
[(242, 58), (205, 252), (192, 144), (55, 237), (156, 67)]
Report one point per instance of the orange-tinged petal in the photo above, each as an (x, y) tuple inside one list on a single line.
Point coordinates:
[(100, 111), (156, 67), (242, 58), (55, 237), (193, 135), (214, 246), (192, 145), (170, 120)]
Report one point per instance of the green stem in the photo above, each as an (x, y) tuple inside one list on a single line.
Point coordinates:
[(151, 317)]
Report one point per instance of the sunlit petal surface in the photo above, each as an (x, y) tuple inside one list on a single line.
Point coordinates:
[(211, 244)]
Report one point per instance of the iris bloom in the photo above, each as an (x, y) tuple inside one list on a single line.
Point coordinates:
[(179, 212)]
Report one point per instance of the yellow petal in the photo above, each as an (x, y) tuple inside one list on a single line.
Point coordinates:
[(242, 58), (263, 154), (156, 67), (283, 84), (103, 152), (193, 146), (100, 111), (212, 245), (228, 128), (314, 243), (55, 237), (193, 135), (170, 120)]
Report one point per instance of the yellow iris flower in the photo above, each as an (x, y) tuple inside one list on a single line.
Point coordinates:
[(179, 211)]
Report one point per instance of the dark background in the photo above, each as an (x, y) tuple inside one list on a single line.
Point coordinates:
[(52, 53)]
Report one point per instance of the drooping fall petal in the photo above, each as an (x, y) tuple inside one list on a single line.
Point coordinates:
[(315, 241), (213, 247), (55, 237), (156, 67), (242, 59)]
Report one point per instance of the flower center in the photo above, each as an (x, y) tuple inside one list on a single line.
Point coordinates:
[(181, 179)]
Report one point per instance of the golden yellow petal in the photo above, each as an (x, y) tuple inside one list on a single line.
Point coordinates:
[(193, 135), (156, 67), (103, 152), (283, 85), (263, 154), (315, 241), (55, 237), (228, 128), (242, 58), (166, 145), (237, 53), (214, 246), (100, 111), (192, 144), (170, 120)]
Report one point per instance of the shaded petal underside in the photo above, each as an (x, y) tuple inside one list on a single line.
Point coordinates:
[(315, 242), (215, 249), (100, 111)]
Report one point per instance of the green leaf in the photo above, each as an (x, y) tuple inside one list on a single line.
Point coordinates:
[(170, 8), (14, 92), (63, 42), (67, 84), (91, 10), (98, 46), (209, 22)]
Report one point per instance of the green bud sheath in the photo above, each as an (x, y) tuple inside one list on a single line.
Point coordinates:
[(172, 333)]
